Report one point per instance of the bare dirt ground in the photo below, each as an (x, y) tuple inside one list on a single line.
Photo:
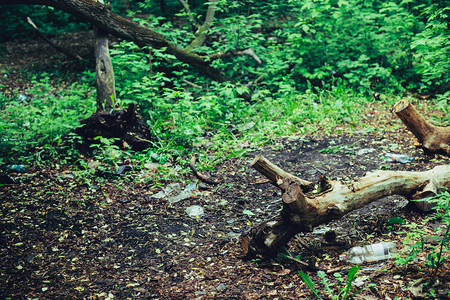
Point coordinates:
[(63, 237)]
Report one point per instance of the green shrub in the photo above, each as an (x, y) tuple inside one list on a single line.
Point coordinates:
[(42, 115)]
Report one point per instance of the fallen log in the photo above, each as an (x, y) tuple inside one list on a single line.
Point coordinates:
[(432, 139), (308, 205)]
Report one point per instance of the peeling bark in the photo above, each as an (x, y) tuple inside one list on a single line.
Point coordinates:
[(432, 139), (308, 205)]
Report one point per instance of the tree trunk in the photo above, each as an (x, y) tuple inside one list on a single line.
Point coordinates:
[(433, 139), (106, 86), (201, 33), (101, 17), (306, 206)]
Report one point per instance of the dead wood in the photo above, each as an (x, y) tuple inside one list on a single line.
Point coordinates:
[(432, 139), (100, 16), (307, 205), (199, 175), (58, 48), (125, 125)]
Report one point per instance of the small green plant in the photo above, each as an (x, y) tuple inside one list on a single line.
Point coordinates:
[(344, 292), (434, 246), (106, 151), (41, 115)]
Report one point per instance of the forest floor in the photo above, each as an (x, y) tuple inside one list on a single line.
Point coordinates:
[(63, 236)]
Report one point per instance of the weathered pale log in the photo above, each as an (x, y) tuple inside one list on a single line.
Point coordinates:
[(433, 139), (271, 171), (304, 208)]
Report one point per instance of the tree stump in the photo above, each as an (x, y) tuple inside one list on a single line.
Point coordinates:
[(432, 139), (308, 205), (126, 125)]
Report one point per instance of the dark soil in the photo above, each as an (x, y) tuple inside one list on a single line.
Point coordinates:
[(63, 236)]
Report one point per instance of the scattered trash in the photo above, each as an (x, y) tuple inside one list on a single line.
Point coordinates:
[(221, 287), (190, 187), (195, 211), (15, 168), (232, 234), (125, 168), (169, 189), (401, 158), (22, 97), (66, 176), (365, 151), (181, 196), (157, 158), (374, 252), (248, 212), (360, 281), (175, 194)]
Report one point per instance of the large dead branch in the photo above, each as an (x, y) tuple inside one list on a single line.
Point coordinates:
[(103, 18), (45, 38), (432, 139), (306, 206)]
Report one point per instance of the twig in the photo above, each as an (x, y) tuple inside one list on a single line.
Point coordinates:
[(298, 261), (304, 245), (255, 81), (200, 176), (188, 11), (262, 181), (249, 51), (60, 49), (192, 84)]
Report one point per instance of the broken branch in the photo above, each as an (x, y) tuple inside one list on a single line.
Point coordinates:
[(433, 139), (197, 174), (53, 45), (303, 209)]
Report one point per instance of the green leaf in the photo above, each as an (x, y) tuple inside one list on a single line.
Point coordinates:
[(306, 279), (396, 220)]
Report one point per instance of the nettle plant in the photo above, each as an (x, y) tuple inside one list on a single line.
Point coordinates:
[(435, 245), (345, 292), (42, 114)]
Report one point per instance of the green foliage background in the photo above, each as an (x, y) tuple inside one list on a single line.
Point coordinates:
[(321, 62)]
